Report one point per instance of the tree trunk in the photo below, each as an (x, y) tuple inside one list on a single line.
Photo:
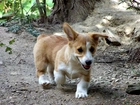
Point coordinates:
[(42, 11), (71, 10)]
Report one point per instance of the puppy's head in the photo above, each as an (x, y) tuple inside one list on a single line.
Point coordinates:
[(82, 45)]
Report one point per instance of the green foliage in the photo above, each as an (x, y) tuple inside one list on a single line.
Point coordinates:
[(49, 5), (32, 30), (11, 41), (21, 13), (15, 28), (2, 44), (18, 15), (23, 7), (7, 47)]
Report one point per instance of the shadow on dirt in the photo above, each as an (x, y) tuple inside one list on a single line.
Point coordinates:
[(106, 92)]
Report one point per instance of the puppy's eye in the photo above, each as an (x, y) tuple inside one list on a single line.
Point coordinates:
[(80, 50), (92, 49)]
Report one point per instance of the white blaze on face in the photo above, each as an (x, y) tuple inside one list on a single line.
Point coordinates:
[(88, 54)]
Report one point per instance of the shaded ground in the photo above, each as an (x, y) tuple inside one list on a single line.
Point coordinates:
[(110, 76)]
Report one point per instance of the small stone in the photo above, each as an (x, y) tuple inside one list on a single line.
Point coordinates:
[(114, 88), (100, 77), (112, 79), (127, 82), (117, 80), (126, 66), (1, 63), (114, 75)]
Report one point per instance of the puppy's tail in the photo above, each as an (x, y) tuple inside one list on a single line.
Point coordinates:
[(41, 36)]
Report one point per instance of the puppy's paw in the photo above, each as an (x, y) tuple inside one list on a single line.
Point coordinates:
[(81, 94), (45, 85), (44, 82)]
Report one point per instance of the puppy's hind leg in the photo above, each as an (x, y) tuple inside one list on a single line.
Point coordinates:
[(41, 74), (50, 70), (41, 62)]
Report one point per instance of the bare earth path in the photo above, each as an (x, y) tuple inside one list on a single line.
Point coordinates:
[(19, 85)]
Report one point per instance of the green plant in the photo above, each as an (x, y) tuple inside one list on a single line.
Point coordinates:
[(22, 8), (7, 47), (19, 14)]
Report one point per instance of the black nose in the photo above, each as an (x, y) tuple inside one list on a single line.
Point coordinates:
[(88, 62)]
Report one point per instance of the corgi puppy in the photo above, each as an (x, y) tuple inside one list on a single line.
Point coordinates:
[(61, 57)]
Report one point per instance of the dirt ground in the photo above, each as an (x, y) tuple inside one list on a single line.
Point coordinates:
[(111, 72)]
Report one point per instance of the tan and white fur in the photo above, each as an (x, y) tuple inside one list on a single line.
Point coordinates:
[(70, 57)]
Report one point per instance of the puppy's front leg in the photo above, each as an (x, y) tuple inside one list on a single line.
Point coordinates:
[(82, 88), (59, 78)]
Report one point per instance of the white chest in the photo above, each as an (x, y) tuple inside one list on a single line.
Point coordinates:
[(71, 70)]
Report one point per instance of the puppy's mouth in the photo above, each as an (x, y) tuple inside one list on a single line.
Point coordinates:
[(85, 67)]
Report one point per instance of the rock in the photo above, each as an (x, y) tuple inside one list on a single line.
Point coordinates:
[(137, 31), (117, 80), (137, 36), (133, 89), (113, 39), (114, 75), (134, 55), (1, 63)]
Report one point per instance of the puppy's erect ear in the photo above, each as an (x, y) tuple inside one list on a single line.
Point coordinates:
[(71, 34), (96, 36)]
